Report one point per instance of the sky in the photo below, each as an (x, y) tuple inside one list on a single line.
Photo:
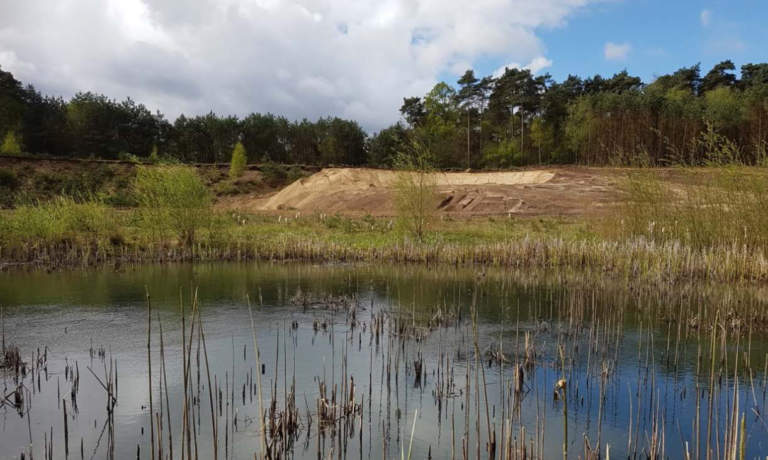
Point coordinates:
[(354, 59)]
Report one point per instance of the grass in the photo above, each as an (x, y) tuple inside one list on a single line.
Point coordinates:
[(693, 224), (73, 237)]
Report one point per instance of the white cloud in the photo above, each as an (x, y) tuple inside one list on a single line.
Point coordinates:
[(705, 17), (535, 66), (300, 58), (616, 51), (538, 64)]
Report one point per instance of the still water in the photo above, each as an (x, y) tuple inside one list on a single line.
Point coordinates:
[(406, 350)]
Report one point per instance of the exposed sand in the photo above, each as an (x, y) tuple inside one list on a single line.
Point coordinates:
[(556, 191)]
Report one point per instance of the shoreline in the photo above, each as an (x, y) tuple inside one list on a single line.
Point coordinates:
[(632, 260)]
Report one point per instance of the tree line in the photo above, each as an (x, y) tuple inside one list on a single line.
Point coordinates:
[(514, 119), (519, 119), (92, 125)]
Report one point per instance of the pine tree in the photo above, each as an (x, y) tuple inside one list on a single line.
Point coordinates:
[(10, 145), (239, 161)]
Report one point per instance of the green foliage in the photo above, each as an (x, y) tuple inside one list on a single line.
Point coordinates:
[(504, 154), (154, 158), (277, 175), (10, 145), (57, 220), (415, 190), (722, 107), (718, 150), (616, 120), (9, 185), (384, 145), (129, 157), (293, 174), (80, 186), (239, 161), (9, 180), (173, 199), (273, 174)]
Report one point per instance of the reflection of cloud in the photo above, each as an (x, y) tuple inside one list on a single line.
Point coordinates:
[(616, 51), (351, 58), (705, 17)]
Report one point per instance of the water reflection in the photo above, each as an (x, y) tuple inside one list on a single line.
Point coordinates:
[(353, 354)]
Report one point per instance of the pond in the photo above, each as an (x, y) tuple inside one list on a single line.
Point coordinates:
[(377, 361)]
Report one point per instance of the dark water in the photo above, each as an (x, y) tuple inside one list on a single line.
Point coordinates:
[(646, 350)]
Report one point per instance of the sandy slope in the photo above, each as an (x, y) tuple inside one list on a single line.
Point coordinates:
[(551, 191)]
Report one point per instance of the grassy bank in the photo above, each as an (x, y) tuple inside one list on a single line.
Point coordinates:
[(66, 233), (705, 224)]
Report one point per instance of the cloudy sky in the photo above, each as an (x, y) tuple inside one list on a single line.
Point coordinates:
[(351, 58)]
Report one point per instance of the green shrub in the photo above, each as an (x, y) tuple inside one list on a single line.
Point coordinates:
[(121, 197), (274, 174), (59, 219), (48, 183), (226, 187), (172, 199), (9, 180), (294, 173), (239, 161), (9, 185), (129, 157), (505, 154), (81, 186), (154, 158), (10, 145), (718, 150)]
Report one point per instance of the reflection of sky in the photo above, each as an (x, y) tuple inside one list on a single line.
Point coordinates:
[(72, 309)]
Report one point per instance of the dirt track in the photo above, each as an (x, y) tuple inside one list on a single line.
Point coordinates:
[(534, 192)]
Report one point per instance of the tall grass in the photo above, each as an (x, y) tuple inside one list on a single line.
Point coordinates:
[(702, 208)]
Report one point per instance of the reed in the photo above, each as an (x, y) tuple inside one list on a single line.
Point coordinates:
[(638, 258)]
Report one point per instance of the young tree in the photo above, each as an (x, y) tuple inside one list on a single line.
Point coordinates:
[(172, 199), (239, 161), (416, 196), (10, 145)]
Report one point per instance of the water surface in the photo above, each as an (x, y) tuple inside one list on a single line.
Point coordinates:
[(636, 361)]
